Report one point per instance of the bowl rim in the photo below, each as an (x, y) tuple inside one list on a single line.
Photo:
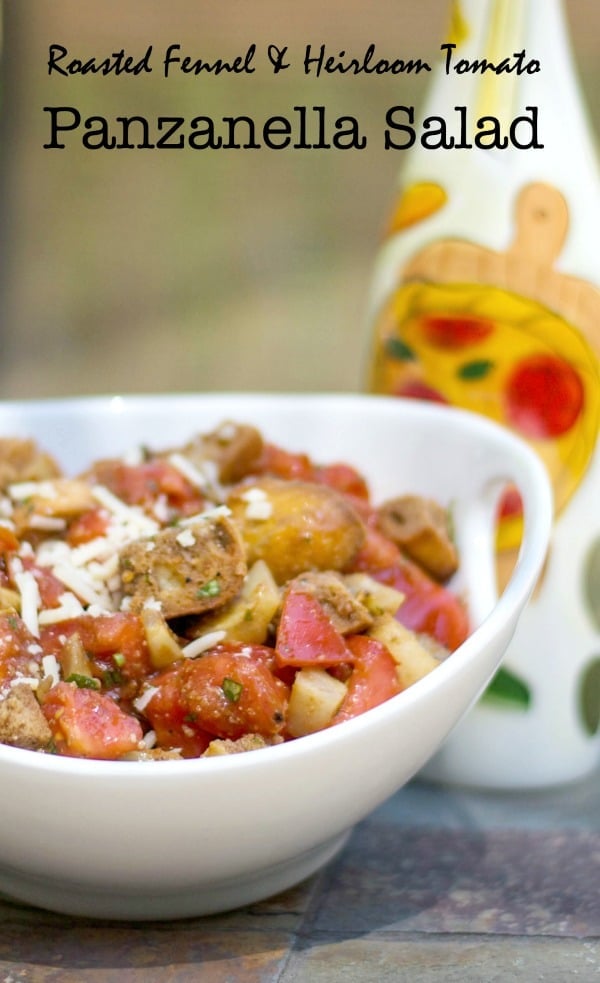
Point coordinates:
[(519, 587)]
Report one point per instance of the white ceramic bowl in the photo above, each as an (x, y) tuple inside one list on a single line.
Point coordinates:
[(141, 840)]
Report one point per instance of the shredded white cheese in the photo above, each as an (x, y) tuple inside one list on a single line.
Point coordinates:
[(21, 490), (131, 515), (82, 584), (200, 645), (51, 668), (259, 510), (151, 604), (213, 513), (32, 681), (186, 538), (30, 600), (141, 702), (161, 509), (188, 471), (69, 607), (48, 523), (254, 495), (149, 739), (5, 507)]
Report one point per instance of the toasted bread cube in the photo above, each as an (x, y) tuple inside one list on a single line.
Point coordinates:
[(22, 723), (187, 571), (420, 527)]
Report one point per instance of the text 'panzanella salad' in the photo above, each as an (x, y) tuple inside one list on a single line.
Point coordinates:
[(215, 598)]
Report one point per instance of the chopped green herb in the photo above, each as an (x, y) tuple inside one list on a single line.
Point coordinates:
[(232, 689), (190, 718), (112, 677), (84, 682), (119, 659), (13, 622), (211, 589)]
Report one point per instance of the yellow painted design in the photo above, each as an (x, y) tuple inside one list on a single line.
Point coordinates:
[(458, 30), (497, 93), (416, 203), (475, 376)]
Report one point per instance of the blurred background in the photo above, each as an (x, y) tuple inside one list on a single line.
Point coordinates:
[(150, 270)]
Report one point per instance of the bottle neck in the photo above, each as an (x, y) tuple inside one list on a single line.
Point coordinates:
[(494, 31), (478, 25)]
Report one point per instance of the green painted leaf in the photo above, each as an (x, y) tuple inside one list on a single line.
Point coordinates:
[(507, 688), (398, 349), (590, 697), (591, 582), (475, 370)]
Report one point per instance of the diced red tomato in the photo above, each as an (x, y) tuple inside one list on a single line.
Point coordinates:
[(377, 552), (306, 636), (544, 396), (173, 723), (226, 693), (90, 525), (88, 724), (283, 464), (101, 638), (343, 478), (428, 607), (142, 484), (15, 642), (50, 587), (8, 541), (374, 678)]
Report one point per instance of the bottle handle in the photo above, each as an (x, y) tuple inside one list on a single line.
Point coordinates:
[(475, 522)]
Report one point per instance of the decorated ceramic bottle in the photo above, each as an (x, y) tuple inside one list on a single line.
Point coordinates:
[(487, 296)]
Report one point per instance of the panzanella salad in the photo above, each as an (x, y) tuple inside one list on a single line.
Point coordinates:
[(214, 598)]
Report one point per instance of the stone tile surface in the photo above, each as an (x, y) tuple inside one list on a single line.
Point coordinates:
[(437, 886), (439, 959), (502, 881)]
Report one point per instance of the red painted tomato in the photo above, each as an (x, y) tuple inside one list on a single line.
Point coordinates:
[(511, 504), (456, 331), (544, 397), (413, 389)]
